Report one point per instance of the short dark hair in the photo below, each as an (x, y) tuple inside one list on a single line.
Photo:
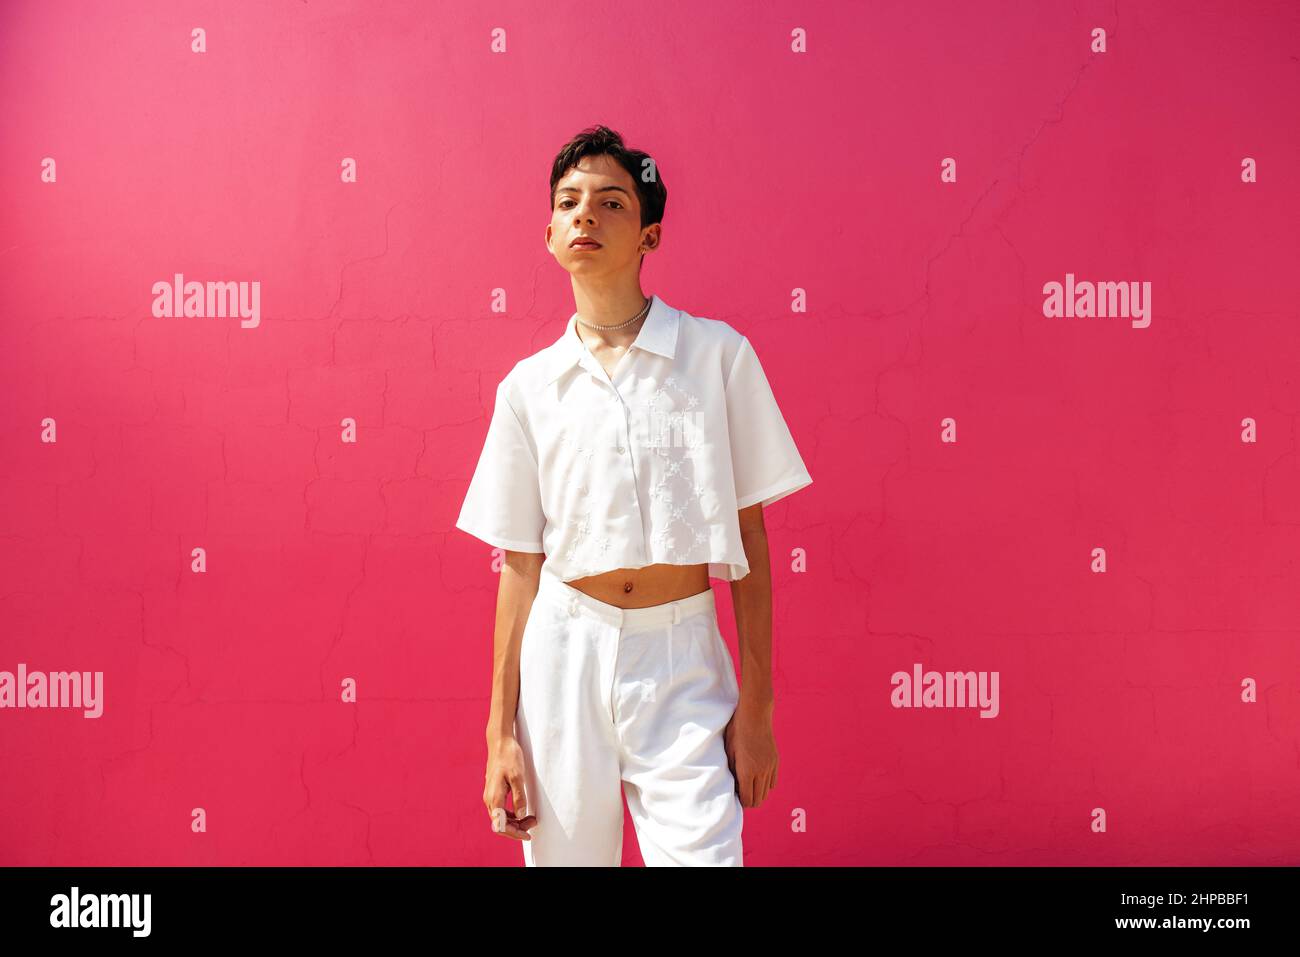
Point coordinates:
[(595, 140)]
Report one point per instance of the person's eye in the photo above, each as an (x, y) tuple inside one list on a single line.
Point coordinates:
[(617, 203)]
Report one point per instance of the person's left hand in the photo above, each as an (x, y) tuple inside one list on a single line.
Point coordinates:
[(751, 753)]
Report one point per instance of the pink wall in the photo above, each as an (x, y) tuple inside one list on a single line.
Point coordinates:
[(818, 171)]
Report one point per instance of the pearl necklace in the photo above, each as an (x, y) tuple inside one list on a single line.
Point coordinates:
[(621, 325)]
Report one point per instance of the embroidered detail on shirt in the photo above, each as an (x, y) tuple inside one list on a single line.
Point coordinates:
[(669, 424)]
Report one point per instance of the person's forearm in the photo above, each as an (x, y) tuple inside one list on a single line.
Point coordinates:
[(751, 597), (515, 593)]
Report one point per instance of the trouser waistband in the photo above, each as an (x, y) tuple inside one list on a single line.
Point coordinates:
[(671, 612)]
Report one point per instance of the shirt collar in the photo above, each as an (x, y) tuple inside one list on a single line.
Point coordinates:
[(658, 335)]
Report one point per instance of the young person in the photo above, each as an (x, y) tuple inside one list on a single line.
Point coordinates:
[(624, 465)]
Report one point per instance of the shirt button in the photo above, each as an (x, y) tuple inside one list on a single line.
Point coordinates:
[(620, 450)]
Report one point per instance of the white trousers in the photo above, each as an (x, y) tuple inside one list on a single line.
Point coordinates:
[(632, 700)]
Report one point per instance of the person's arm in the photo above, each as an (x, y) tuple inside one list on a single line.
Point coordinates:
[(751, 742), (520, 575)]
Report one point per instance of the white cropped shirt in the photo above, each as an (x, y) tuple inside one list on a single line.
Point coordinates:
[(647, 466)]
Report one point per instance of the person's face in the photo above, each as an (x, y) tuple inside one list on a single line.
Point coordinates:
[(598, 198)]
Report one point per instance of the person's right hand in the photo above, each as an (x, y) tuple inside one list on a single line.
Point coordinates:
[(505, 774)]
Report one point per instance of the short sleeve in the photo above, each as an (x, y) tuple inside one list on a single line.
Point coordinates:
[(503, 506), (764, 459)]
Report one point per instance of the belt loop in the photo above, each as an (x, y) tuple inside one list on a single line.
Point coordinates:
[(668, 633), (677, 617)]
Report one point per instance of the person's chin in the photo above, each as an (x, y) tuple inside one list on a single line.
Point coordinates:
[(585, 266)]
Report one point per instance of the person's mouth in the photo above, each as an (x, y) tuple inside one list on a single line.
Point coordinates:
[(584, 242)]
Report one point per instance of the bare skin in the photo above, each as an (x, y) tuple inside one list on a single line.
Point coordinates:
[(598, 198)]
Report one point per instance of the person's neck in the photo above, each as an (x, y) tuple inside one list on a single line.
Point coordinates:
[(609, 307)]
